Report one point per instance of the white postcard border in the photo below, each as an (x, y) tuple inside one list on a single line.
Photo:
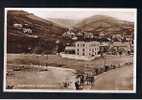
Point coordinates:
[(72, 91)]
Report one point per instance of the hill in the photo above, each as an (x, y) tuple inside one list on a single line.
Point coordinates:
[(39, 36), (68, 23), (105, 24)]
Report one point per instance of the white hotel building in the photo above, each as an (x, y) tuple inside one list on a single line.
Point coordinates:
[(82, 50)]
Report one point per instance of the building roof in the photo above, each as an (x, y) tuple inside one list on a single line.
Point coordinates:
[(120, 43)]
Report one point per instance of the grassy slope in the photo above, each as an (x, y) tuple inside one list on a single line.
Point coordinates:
[(47, 32), (105, 24)]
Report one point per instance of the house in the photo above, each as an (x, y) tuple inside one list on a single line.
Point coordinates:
[(82, 50), (104, 47), (27, 30), (18, 26), (69, 34), (123, 47), (88, 35)]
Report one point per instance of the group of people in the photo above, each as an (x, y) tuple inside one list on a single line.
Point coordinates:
[(82, 80)]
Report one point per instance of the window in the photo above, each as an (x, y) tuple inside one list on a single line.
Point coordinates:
[(83, 45), (92, 50), (78, 45), (83, 49), (83, 53), (78, 53), (77, 49)]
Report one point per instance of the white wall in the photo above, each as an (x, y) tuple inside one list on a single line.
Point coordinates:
[(77, 57)]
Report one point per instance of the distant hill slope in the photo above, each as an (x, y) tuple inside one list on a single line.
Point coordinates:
[(68, 23), (43, 36), (104, 24)]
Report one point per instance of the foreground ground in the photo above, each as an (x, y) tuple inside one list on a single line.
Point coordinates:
[(52, 78), (24, 71)]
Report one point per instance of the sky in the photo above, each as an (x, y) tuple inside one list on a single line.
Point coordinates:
[(80, 13)]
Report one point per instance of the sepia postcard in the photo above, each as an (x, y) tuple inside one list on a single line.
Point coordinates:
[(83, 50)]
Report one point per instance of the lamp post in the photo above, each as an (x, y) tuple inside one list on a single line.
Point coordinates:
[(57, 46)]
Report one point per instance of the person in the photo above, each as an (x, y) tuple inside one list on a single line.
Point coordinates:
[(77, 85), (82, 79), (65, 84), (87, 79), (92, 80)]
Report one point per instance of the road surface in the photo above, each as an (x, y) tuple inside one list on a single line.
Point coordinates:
[(117, 79)]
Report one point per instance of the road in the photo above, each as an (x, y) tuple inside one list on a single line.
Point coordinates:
[(117, 79)]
